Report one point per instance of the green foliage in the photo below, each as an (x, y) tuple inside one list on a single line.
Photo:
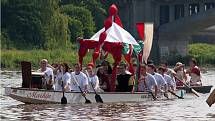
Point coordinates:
[(76, 28), (33, 23), (80, 14), (204, 53), (95, 6)]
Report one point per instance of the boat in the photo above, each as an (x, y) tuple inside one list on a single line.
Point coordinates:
[(200, 89), (41, 96)]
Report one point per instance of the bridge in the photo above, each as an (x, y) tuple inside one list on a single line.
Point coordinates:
[(175, 21)]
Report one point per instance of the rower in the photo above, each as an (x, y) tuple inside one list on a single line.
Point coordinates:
[(147, 82), (81, 79), (104, 74), (123, 79), (93, 79), (48, 74), (169, 71), (168, 79), (66, 77), (194, 73), (63, 76), (180, 74), (162, 84)]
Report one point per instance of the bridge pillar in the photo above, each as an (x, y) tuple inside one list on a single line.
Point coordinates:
[(171, 13), (186, 10), (202, 7)]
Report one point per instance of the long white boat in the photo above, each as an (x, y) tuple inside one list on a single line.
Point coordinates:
[(39, 96)]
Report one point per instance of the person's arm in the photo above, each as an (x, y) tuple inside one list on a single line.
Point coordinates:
[(97, 83), (85, 83)]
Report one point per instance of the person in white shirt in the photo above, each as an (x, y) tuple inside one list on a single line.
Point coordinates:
[(93, 79), (58, 80), (168, 79), (162, 85), (63, 78), (169, 71), (147, 82), (80, 78), (48, 74)]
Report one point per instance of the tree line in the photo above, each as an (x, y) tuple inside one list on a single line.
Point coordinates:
[(49, 24)]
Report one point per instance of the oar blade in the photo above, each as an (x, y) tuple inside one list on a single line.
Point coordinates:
[(175, 94), (63, 100), (98, 98), (87, 101)]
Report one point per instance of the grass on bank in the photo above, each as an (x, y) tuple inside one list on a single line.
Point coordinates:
[(10, 59)]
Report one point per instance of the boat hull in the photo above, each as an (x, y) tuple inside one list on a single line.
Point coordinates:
[(35, 96), (200, 89)]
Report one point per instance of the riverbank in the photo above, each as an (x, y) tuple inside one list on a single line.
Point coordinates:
[(10, 59)]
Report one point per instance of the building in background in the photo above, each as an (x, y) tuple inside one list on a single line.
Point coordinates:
[(176, 22)]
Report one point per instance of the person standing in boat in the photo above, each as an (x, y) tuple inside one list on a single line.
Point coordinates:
[(180, 74), (104, 74), (123, 79), (162, 84), (80, 78), (168, 79), (194, 73), (147, 82), (48, 74), (93, 79)]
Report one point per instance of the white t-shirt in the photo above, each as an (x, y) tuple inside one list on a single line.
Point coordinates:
[(81, 79), (150, 83), (171, 73), (58, 81), (169, 80), (66, 80), (48, 72), (95, 82), (160, 80)]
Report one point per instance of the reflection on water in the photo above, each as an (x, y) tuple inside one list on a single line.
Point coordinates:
[(190, 108)]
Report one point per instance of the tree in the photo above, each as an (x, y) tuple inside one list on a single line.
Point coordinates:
[(34, 23), (80, 14)]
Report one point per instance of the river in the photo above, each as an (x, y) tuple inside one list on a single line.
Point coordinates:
[(191, 108)]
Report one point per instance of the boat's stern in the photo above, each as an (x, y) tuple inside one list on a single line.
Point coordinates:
[(7, 91)]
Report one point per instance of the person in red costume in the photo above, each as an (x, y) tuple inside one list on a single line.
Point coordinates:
[(194, 73)]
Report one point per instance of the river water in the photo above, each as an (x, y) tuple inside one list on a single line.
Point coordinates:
[(191, 108)]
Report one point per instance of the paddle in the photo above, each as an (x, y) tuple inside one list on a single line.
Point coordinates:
[(192, 90), (175, 94), (63, 99), (153, 96), (86, 100), (97, 96)]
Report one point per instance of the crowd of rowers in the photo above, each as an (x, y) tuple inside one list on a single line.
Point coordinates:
[(61, 77)]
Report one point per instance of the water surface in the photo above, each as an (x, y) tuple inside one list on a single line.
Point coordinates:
[(191, 108)]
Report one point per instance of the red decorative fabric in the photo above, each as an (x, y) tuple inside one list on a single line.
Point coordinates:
[(115, 48), (128, 58), (108, 23), (96, 54), (118, 21), (113, 10), (140, 29), (102, 37)]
